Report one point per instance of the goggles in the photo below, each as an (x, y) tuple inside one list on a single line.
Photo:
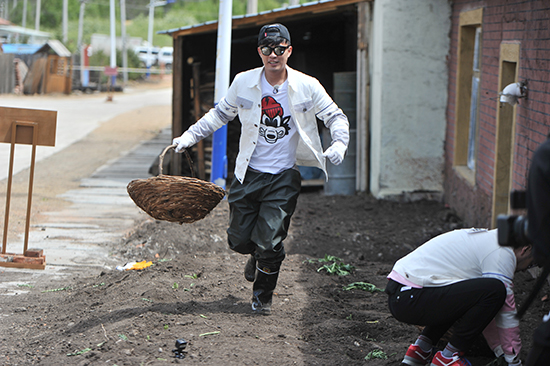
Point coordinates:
[(279, 50)]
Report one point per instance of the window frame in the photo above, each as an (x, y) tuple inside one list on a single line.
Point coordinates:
[(466, 138)]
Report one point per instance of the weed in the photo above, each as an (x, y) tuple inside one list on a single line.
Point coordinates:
[(377, 353), (363, 286), (58, 289), (79, 352), (337, 266)]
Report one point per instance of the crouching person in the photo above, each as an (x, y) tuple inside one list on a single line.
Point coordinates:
[(460, 279)]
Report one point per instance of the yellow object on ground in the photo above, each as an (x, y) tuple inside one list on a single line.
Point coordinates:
[(141, 265)]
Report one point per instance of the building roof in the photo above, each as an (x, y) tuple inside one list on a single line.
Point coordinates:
[(57, 47), (264, 17), (30, 49), (21, 49), (6, 30)]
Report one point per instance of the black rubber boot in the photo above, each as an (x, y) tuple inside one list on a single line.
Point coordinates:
[(262, 291), (250, 269)]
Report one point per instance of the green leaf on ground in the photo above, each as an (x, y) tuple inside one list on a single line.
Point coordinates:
[(363, 286), (377, 353), (58, 289), (79, 352)]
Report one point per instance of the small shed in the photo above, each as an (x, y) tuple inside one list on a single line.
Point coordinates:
[(47, 67)]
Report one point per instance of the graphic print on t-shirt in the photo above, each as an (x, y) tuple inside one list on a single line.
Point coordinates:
[(274, 125)]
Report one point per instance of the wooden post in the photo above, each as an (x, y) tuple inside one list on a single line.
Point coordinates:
[(197, 109), (31, 127), (34, 127)]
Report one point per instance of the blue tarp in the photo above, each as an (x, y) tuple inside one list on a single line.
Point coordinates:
[(21, 49)]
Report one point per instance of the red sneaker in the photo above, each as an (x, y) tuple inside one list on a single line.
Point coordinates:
[(456, 360), (415, 356)]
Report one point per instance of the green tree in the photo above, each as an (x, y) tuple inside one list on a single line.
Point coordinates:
[(97, 17)]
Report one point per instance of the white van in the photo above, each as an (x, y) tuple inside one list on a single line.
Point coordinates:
[(165, 57), (147, 59)]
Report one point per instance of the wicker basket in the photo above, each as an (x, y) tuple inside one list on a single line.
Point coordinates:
[(175, 198)]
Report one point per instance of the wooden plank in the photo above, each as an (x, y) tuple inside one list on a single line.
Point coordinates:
[(177, 97), (471, 17), (506, 125), (35, 79), (363, 95), (23, 265), (58, 74), (7, 81), (463, 93), (468, 23), (46, 120), (509, 52), (21, 261), (197, 110), (34, 252)]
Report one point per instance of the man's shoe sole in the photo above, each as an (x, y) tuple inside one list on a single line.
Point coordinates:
[(250, 269)]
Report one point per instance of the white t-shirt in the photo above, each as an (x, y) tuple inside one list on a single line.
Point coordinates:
[(278, 138), (455, 256)]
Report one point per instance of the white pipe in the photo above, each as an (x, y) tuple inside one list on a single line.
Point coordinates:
[(80, 25), (24, 20), (124, 41), (223, 54), (37, 17), (223, 60), (65, 21), (113, 33)]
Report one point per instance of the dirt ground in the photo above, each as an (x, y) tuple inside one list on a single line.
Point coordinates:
[(195, 290)]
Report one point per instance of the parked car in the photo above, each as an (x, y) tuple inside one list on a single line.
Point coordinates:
[(165, 57), (147, 59)]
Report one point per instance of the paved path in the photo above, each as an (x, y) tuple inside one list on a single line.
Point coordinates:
[(101, 211)]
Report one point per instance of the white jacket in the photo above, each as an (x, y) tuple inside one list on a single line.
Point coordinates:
[(308, 100)]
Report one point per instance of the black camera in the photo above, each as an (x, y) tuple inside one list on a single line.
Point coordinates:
[(512, 229)]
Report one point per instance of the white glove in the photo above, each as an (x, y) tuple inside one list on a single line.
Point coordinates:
[(335, 153), (183, 142), (513, 360)]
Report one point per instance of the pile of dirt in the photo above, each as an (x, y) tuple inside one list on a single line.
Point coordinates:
[(195, 290)]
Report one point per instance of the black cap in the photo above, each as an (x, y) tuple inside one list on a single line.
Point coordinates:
[(273, 30)]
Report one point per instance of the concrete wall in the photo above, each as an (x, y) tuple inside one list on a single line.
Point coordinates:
[(408, 95)]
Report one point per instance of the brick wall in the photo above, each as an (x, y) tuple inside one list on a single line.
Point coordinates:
[(520, 21)]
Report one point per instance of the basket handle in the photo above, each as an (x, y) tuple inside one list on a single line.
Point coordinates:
[(161, 159)]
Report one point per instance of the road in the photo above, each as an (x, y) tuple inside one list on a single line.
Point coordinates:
[(77, 116)]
